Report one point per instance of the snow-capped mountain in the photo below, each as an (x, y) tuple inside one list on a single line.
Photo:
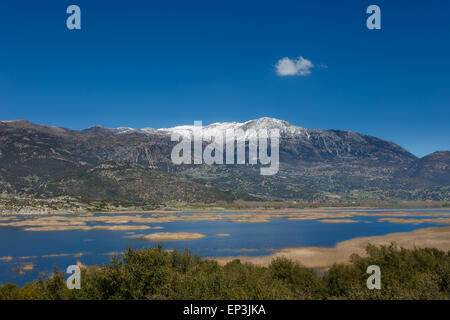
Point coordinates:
[(313, 163), (286, 129)]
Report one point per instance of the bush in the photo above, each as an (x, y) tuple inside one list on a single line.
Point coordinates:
[(159, 274)]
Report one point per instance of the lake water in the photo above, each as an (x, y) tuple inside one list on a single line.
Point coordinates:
[(262, 238)]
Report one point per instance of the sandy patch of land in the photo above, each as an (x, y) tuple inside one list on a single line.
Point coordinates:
[(8, 218), (121, 227), (113, 253), (27, 267), (316, 257), (57, 255), (322, 215), (120, 222), (338, 221), (417, 221), (28, 257), (223, 234), (8, 258), (406, 214), (85, 228), (168, 236), (51, 255), (140, 211), (251, 220), (23, 268)]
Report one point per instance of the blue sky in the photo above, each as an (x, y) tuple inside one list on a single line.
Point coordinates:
[(164, 63)]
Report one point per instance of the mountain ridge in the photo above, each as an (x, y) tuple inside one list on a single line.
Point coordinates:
[(291, 131), (314, 163)]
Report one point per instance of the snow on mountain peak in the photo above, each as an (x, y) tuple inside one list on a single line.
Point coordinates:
[(124, 130), (286, 129)]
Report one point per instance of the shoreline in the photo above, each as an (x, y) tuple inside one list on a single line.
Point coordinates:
[(37, 206), (282, 210), (322, 257)]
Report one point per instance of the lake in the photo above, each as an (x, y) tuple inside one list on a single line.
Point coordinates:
[(222, 237)]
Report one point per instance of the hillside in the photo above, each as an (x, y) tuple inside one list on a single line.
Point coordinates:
[(315, 165)]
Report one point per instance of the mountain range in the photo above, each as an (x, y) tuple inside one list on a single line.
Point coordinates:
[(134, 164)]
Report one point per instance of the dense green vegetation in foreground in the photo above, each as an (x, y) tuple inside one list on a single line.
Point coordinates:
[(158, 274)]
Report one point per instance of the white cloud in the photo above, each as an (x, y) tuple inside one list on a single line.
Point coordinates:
[(293, 67)]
